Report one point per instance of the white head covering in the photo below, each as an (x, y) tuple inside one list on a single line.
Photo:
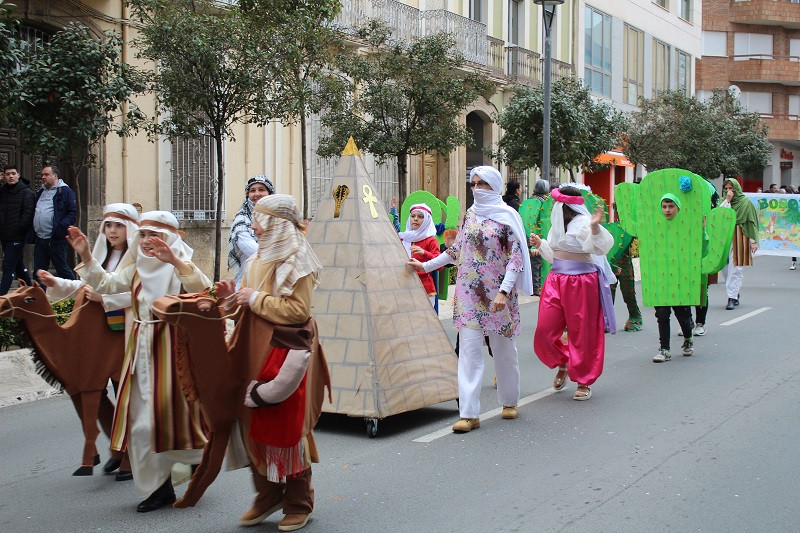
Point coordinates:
[(284, 242), (489, 204), (158, 278), (425, 230), (558, 235), (125, 214)]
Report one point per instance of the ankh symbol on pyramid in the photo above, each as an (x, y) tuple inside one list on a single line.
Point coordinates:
[(369, 198)]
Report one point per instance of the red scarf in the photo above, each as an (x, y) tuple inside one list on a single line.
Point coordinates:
[(280, 426)]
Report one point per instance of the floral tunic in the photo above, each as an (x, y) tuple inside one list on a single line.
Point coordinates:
[(484, 251)]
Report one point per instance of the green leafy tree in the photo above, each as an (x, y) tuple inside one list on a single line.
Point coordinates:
[(213, 72), (302, 31), (711, 138), (73, 91), (10, 58), (580, 128), (401, 99)]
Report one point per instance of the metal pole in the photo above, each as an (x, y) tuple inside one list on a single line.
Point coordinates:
[(546, 82)]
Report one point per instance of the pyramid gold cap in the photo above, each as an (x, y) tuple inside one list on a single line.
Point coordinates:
[(351, 148)]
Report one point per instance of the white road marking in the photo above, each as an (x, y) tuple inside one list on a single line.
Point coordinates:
[(745, 317), (486, 416)]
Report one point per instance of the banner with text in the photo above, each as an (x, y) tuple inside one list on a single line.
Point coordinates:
[(778, 223)]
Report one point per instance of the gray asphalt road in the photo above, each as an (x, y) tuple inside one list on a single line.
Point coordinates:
[(701, 443)]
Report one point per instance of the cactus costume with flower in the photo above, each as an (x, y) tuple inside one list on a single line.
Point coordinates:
[(671, 254)]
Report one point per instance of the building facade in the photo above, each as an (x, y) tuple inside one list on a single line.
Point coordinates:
[(626, 50), (752, 49)]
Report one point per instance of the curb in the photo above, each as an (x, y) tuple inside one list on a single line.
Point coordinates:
[(19, 382)]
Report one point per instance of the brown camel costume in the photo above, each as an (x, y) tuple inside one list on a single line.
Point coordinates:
[(66, 360), (218, 383)]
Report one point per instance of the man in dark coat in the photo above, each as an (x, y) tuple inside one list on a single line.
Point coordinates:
[(16, 216), (513, 191), (55, 211)]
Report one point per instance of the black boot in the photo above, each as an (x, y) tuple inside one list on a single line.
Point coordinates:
[(123, 476), (164, 495), (731, 304), (87, 470), (111, 465)]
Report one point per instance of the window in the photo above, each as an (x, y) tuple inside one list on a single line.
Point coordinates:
[(515, 19), (194, 179), (715, 44), (633, 66), (660, 66), (597, 49), (794, 106), (794, 49), (686, 10), (752, 46), (684, 73), (476, 10), (756, 102), (662, 3)]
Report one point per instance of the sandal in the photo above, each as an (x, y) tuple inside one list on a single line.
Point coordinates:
[(561, 378), (583, 393)]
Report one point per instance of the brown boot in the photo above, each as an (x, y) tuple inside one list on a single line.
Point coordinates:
[(294, 521), (269, 498), (466, 424)]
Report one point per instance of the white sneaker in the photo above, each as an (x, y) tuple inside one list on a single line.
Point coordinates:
[(661, 356), (699, 330), (688, 347), (793, 266)]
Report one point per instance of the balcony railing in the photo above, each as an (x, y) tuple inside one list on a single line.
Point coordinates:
[(524, 66), (560, 69), (496, 57), (782, 127), (401, 18), (765, 69), (470, 35)]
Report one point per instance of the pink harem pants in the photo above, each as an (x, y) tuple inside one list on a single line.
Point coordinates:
[(571, 301)]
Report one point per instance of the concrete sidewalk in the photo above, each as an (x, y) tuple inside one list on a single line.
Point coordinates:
[(19, 381)]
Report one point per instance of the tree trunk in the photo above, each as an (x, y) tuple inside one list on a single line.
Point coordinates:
[(402, 177), (303, 159), (571, 175), (218, 138)]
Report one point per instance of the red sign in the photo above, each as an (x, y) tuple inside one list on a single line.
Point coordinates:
[(786, 155)]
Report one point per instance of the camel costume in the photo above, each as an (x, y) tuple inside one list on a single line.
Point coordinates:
[(152, 419), (284, 272), (117, 306)]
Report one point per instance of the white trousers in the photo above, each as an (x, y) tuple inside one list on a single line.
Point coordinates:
[(734, 275), (470, 370)]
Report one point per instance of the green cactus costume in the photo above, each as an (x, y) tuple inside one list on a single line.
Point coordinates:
[(439, 210), (671, 251)]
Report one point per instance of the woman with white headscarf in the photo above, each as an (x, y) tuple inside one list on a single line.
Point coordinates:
[(153, 420), (419, 240), (576, 294), (242, 241), (115, 238), (492, 265), (277, 287)]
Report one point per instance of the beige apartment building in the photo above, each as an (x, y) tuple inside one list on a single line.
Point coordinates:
[(500, 38), (752, 49)]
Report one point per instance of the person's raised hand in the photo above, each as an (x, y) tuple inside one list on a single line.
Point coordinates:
[(393, 202), (46, 278), (729, 195), (597, 215), (534, 240), (79, 243), (161, 250)]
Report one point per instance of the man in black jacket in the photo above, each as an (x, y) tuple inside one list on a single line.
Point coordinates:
[(16, 216), (55, 211)]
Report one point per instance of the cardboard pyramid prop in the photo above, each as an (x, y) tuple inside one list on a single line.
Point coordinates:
[(384, 344)]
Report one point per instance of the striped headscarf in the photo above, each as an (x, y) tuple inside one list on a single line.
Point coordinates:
[(284, 242)]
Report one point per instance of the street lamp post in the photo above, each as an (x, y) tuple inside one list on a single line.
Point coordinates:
[(548, 14)]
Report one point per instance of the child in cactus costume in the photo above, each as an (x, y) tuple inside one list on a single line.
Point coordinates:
[(672, 256)]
